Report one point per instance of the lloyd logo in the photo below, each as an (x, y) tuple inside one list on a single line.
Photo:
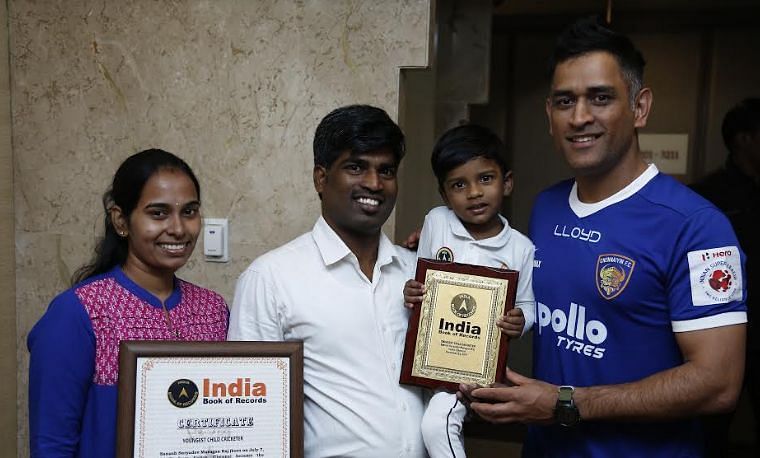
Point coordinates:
[(577, 233)]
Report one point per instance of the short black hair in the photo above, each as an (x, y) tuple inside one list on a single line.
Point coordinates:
[(464, 143), (589, 35), (744, 117), (358, 129)]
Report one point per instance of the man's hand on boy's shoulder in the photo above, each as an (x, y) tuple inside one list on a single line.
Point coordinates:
[(512, 323), (412, 240), (413, 293)]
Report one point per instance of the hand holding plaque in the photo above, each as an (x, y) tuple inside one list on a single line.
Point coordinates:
[(452, 337)]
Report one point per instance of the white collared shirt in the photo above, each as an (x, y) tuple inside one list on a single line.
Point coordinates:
[(508, 249), (353, 329)]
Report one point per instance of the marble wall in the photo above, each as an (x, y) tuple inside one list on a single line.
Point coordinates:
[(235, 87), (7, 257)]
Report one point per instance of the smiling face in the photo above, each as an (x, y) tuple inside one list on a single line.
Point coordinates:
[(590, 115), (474, 192), (358, 192), (162, 229)]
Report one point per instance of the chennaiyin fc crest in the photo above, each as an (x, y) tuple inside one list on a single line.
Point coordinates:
[(613, 271)]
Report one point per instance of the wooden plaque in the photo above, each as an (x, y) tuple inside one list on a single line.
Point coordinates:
[(232, 399), (452, 336)]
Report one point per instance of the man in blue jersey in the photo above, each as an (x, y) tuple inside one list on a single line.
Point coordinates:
[(638, 281)]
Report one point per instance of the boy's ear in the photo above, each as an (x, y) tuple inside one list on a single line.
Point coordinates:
[(443, 196), (320, 178), (508, 183), (119, 220)]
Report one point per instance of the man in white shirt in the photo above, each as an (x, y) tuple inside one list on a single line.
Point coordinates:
[(338, 289)]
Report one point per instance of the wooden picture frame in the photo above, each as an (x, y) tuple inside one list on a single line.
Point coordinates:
[(203, 412), (452, 337)]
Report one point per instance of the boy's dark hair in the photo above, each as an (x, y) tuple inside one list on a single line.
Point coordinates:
[(589, 35), (744, 117), (463, 143), (358, 129)]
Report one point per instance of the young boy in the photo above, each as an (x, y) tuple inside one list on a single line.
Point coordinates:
[(473, 180)]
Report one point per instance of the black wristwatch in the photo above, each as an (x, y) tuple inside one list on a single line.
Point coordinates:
[(566, 412)]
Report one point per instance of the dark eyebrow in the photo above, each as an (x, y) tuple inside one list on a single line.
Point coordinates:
[(593, 90), (165, 206), (354, 160), (601, 90), (387, 165), (453, 179), (562, 93)]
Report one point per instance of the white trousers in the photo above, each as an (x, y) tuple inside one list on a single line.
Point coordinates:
[(442, 426)]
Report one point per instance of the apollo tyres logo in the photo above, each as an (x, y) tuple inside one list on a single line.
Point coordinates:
[(575, 331), (715, 275)]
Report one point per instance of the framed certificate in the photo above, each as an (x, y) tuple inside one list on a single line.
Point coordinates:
[(452, 337), (220, 399)]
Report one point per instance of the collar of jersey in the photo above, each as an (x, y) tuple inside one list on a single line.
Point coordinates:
[(582, 209), (333, 249), (497, 240)]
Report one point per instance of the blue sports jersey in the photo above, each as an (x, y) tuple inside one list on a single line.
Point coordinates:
[(613, 282)]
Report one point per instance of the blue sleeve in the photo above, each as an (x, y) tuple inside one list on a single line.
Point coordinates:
[(61, 367), (706, 278)]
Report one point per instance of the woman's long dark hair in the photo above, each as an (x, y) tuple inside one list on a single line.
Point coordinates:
[(125, 191)]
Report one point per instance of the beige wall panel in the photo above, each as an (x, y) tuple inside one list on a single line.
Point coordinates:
[(674, 72), (7, 257), (234, 87)]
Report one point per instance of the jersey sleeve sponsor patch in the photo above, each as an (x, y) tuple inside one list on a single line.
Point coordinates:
[(715, 275)]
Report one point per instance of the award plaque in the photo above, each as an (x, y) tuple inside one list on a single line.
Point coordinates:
[(452, 336), (210, 399)]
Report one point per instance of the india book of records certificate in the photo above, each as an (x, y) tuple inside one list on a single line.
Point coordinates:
[(452, 336), (232, 407)]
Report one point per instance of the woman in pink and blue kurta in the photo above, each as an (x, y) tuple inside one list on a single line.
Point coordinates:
[(129, 292)]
